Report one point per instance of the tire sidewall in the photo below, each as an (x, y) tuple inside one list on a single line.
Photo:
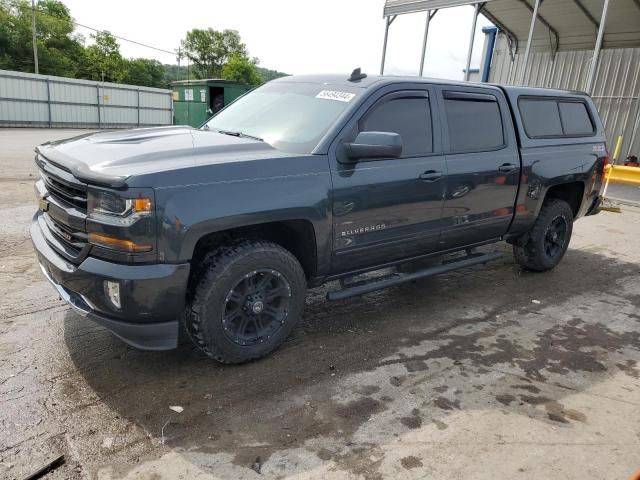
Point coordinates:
[(557, 209), (212, 308)]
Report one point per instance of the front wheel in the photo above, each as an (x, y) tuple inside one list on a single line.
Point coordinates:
[(248, 296), (546, 243)]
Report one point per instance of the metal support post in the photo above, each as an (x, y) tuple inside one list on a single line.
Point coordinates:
[(98, 98), (473, 34), (532, 26), (424, 41), (389, 21), (596, 50), (49, 101)]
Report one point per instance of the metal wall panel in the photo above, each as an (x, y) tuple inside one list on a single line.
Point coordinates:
[(46, 101), (616, 90)]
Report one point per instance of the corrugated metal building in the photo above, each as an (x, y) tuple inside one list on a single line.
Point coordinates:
[(29, 100), (616, 89), (586, 45)]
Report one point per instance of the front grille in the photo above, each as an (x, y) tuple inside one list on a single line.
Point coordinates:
[(65, 191), (73, 240), (65, 218)]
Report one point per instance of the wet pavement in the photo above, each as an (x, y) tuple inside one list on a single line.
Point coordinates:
[(489, 372)]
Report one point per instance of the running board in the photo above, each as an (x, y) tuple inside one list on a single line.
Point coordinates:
[(367, 286)]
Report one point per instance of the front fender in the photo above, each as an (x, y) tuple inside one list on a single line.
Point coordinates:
[(189, 213)]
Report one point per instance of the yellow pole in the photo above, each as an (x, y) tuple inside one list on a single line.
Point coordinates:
[(609, 207), (616, 151)]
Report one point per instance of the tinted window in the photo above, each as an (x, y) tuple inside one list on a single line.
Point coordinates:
[(474, 125), (555, 118), (541, 118), (575, 118), (408, 117)]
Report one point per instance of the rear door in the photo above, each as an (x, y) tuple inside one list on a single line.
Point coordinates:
[(389, 208), (483, 165)]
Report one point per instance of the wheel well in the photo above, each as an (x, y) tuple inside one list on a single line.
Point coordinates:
[(571, 193), (297, 236)]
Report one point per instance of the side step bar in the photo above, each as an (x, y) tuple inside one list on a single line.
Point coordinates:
[(360, 288)]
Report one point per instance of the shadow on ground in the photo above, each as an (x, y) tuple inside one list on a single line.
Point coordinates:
[(457, 327)]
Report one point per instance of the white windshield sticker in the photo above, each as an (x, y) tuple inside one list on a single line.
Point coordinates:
[(335, 95)]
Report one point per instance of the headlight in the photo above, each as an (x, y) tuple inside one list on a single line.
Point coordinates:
[(111, 207)]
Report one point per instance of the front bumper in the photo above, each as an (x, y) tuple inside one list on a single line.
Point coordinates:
[(152, 296)]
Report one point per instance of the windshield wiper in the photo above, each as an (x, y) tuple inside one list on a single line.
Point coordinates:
[(239, 134)]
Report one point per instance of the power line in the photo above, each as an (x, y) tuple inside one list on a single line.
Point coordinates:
[(122, 38), (77, 24)]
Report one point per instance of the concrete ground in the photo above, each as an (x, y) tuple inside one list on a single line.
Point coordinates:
[(486, 373)]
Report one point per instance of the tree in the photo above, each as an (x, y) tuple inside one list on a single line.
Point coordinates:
[(62, 52), (103, 61), (209, 50), (241, 69), (59, 50), (143, 71), (268, 75)]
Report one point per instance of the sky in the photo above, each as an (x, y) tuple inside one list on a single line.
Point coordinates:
[(295, 36)]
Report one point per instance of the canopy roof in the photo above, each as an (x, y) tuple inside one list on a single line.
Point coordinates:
[(561, 25)]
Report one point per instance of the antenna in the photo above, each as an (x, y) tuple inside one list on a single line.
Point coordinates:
[(357, 75)]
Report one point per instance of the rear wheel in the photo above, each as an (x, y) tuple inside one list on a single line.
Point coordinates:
[(546, 243), (248, 296)]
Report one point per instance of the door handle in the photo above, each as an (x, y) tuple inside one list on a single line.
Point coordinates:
[(430, 176), (507, 167)]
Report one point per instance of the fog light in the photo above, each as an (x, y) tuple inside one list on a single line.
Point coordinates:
[(113, 292)]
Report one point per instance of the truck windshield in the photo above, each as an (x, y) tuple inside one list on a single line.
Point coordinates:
[(291, 117)]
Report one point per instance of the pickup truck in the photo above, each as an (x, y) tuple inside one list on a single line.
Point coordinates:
[(219, 231)]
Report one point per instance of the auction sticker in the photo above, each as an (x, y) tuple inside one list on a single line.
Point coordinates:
[(335, 95)]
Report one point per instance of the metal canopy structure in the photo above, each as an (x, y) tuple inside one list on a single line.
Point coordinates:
[(539, 25)]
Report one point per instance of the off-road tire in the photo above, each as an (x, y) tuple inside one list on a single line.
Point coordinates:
[(218, 274), (530, 252)]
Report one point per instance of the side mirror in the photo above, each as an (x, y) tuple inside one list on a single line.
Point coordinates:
[(375, 145)]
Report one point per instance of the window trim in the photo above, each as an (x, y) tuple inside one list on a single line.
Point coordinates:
[(557, 101), (399, 95), (461, 95)]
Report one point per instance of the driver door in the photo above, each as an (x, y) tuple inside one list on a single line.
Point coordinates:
[(386, 209)]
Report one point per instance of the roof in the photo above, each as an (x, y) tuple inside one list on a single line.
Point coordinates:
[(381, 80), (202, 81), (562, 24)]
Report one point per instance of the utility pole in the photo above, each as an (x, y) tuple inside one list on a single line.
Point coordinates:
[(179, 58), (33, 32)]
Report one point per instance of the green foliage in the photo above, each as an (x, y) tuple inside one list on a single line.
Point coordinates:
[(103, 61), (267, 75), (61, 52), (175, 72), (143, 71), (209, 50), (241, 69)]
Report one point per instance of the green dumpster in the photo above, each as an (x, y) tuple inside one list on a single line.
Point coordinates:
[(195, 101)]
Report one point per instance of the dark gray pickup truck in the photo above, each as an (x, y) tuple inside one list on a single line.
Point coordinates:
[(304, 180)]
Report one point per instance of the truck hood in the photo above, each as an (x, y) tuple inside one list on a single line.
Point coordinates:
[(109, 158)]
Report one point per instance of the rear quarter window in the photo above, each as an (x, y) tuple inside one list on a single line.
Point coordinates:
[(555, 118), (541, 118), (575, 118)]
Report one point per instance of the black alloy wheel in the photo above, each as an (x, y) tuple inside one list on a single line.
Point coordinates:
[(256, 307), (555, 237)]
